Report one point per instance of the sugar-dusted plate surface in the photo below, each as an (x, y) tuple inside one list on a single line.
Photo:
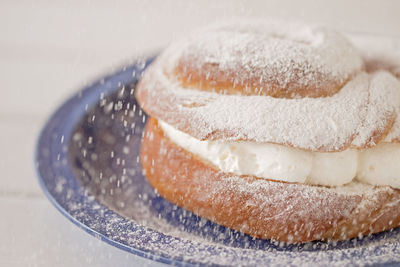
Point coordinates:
[(88, 166)]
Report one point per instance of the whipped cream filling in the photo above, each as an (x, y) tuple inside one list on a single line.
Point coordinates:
[(379, 165)]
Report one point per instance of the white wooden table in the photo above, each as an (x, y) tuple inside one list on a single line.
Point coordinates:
[(48, 50)]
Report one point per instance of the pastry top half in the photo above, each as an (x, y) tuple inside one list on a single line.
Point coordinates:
[(295, 85)]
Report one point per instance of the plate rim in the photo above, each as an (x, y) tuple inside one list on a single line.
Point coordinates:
[(69, 101)]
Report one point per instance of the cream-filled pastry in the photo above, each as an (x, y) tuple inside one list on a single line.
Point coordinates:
[(274, 129)]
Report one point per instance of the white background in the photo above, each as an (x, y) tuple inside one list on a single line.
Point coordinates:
[(49, 49)]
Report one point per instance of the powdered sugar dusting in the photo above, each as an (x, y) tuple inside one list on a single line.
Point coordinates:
[(326, 124), (382, 54), (292, 55), (383, 106), (262, 53)]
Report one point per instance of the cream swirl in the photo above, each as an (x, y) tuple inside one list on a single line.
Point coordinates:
[(376, 166)]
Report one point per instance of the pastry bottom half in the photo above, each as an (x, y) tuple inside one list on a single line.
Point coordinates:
[(263, 208)]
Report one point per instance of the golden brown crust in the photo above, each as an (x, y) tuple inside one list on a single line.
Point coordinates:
[(263, 208), (209, 77)]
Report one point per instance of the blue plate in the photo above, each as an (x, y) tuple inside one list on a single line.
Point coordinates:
[(88, 166)]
